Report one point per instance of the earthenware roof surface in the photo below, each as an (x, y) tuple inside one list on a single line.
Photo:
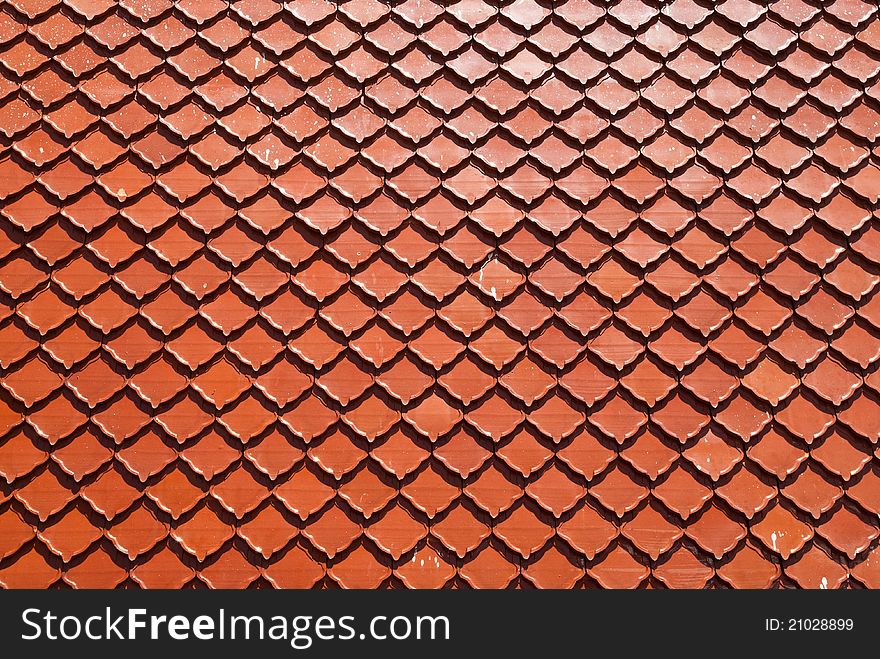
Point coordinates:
[(550, 294)]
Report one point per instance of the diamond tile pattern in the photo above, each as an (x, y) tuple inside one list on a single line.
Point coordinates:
[(383, 294)]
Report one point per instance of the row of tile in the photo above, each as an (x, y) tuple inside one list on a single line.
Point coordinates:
[(234, 568), (145, 454), (712, 540)]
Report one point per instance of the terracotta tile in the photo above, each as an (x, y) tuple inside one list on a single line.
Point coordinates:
[(333, 532), (805, 419), (554, 570), (677, 349), (683, 570), (831, 381), (749, 570), (709, 381), (812, 493), (407, 313), (524, 453), (682, 493), (555, 491), (338, 454), (176, 493), (586, 456), (211, 455), (527, 381), (816, 570), (493, 491), (426, 570), (618, 419), (866, 571), (644, 313), (616, 348), (704, 313), (202, 534), (713, 456), (32, 382), (274, 455), (295, 569), (466, 381), (715, 532), (229, 570), (97, 571), (619, 570), (651, 532), (367, 493), (650, 455), (462, 454), (847, 532), (16, 532), (137, 533), (618, 492), (865, 491), (523, 532), (239, 492), (20, 455), (856, 416), (372, 418), (82, 456), (31, 570), (842, 456), (431, 492), (303, 493), (396, 533), (56, 419)]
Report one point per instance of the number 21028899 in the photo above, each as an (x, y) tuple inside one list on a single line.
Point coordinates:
[(809, 624)]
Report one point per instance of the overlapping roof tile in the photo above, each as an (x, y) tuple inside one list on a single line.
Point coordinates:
[(371, 294)]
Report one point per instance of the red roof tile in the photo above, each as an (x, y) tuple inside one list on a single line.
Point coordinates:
[(356, 250)]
